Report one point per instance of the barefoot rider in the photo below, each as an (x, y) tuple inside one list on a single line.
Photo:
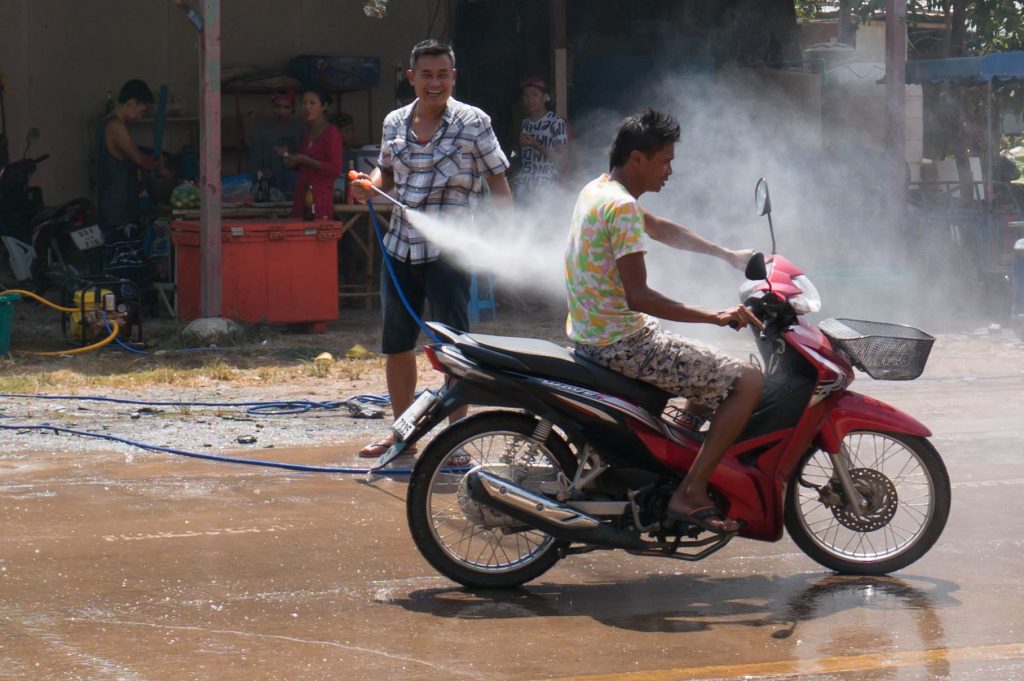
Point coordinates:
[(612, 309)]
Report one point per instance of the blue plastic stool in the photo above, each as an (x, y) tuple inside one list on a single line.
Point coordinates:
[(481, 299)]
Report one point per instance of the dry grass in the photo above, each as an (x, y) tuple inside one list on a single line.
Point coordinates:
[(269, 356), (18, 378)]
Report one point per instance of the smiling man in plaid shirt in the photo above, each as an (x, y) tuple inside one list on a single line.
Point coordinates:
[(436, 154)]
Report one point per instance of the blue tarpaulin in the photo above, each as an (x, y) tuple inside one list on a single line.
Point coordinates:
[(999, 66)]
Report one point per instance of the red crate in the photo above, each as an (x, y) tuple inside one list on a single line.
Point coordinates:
[(272, 271)]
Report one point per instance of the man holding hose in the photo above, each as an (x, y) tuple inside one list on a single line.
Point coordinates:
[(435, 155)]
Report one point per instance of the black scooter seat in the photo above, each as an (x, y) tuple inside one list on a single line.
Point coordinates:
[(55, 211), (550, 360), (46, 214)]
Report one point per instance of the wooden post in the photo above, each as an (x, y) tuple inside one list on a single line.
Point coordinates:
[(210, 162), (559, 59), (896, 108)]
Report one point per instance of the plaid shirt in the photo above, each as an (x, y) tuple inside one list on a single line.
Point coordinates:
[(444, 175)]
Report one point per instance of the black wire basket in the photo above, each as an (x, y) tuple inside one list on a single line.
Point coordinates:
[(891, 352)]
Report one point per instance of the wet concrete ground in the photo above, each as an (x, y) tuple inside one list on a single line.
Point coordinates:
[(145, 566)]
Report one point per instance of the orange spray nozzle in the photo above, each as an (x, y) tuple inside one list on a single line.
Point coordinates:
[(353, 176)]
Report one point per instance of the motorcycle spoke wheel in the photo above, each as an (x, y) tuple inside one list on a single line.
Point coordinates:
[(906, 489), (469, 543)]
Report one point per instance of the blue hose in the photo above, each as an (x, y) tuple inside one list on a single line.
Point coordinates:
[(397, 472), (394, 277), (264, 408)]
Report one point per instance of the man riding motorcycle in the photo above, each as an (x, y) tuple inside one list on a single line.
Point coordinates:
[(612, 308)]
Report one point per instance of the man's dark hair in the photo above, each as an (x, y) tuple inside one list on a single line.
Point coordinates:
[(137, 90), (645, 131), (430, 47)]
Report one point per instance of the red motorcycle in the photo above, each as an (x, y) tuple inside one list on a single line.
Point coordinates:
[(578, 458)]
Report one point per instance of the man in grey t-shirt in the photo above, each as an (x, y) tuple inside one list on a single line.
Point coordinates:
[(283, 130)]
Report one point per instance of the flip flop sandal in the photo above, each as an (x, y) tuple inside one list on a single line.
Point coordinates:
[(377, 449), (700, 518)]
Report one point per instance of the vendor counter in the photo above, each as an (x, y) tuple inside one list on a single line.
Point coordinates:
[(276, 269)]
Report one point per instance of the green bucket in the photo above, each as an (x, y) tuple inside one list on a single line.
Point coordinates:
[(6, 320)]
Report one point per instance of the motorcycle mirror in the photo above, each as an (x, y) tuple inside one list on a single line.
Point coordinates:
[(30, 137), (763, 205), (756, 268), (762, 202)]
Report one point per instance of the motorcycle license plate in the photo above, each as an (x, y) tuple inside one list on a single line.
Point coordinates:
[(87, 237), (405, 423)]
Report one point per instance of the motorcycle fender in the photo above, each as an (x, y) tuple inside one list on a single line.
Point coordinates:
[(853, 411)]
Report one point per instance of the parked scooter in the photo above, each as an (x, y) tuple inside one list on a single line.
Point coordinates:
[(46, 246), (578, 458)]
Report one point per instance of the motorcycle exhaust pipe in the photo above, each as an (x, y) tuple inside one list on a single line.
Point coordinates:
[(547, 515)]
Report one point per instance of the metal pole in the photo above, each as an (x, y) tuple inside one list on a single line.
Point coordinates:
[(895, 108), (210, 162), (990, 151), (559, 57)]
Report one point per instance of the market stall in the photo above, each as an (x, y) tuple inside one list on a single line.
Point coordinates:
[(986, 215)]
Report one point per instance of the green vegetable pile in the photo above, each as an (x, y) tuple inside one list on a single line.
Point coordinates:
[(185, 195)]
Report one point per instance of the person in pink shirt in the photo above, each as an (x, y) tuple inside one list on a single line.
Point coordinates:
[(318, 158)]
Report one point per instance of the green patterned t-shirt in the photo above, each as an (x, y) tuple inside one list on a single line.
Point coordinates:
[(606, 225)]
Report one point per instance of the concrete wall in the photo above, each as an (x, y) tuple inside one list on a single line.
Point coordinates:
[(60, 57)]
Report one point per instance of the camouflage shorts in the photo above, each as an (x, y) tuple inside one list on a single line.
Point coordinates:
[(681, 366)]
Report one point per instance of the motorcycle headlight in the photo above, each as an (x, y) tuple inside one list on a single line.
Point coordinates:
[(808, 300)]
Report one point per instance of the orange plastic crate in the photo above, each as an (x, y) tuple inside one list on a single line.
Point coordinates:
[(272, 271)]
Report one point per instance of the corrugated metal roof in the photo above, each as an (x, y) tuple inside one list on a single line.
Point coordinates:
[(999, 66)]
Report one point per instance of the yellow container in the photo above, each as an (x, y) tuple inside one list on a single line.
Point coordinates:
[(93, 301)]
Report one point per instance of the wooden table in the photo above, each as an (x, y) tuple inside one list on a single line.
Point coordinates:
[(358, 224), (277, 209), (355, 220)]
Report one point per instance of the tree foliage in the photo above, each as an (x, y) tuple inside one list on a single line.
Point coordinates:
[(972, 26)]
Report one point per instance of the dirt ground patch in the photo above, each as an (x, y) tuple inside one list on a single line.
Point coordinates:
[(196, 392), (272, 365)]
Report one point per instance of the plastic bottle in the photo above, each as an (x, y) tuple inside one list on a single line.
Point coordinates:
[(257, 186), (309, 211)]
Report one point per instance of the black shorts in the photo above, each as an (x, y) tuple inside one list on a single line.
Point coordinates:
[(441, 282)]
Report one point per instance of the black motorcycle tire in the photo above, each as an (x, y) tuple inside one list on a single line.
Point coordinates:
[(939, 487), (435, 456)]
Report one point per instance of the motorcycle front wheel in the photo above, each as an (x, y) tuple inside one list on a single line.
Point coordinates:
[(905, 486), (466, 542)]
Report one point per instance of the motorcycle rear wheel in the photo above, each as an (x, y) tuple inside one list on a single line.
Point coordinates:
[(450, 529), (907, 488)]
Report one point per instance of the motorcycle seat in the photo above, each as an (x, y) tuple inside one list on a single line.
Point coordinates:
[(46, 214), (53, 212), (550, 360)]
